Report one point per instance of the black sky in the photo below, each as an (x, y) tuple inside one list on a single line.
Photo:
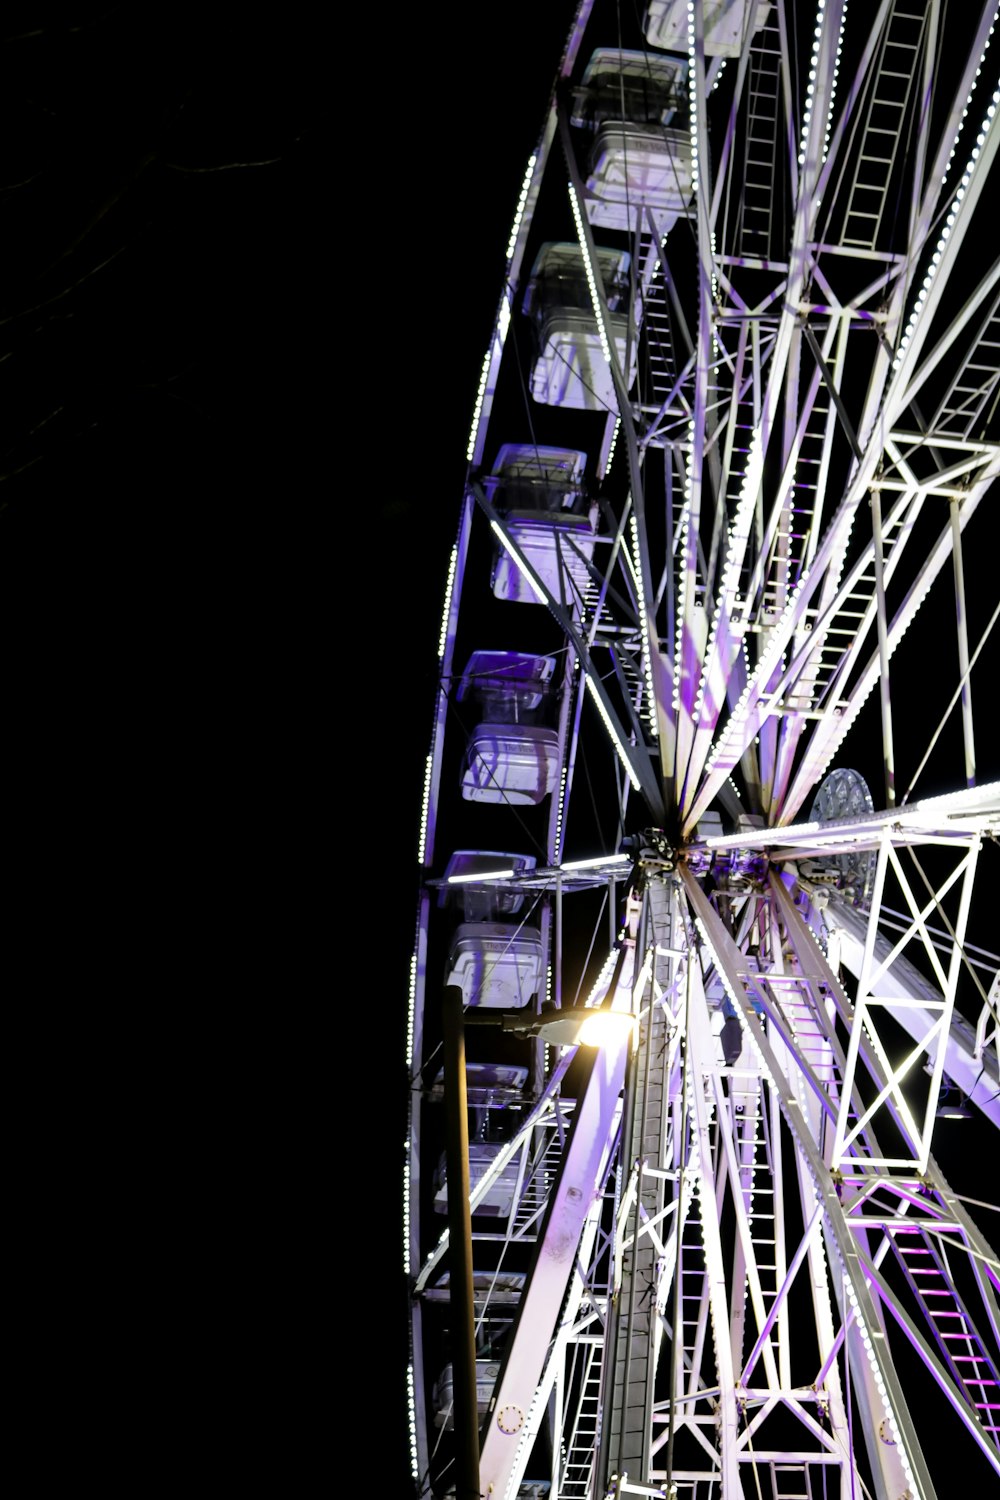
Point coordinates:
[(234, 403), (166, 338)]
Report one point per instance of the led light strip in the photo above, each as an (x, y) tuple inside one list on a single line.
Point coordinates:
[(411, 1008), (449, 585), (503, 316), (411, 1011), (598, 859), (557, 842), (599, 989), (605, 346), (425, 805), (477, 410), (716, 345), (622, 755), (614, 440), (647, 664), (965, 111), (833, 83), (811, 85), (737, 534), (683, 590), (890, 1415), (406, 1209), (522, 200), (560, 813), (412, 1420), (693, 97), (522, 565), (949, 223)]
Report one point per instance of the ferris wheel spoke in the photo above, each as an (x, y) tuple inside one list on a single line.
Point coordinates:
[(660, 677)]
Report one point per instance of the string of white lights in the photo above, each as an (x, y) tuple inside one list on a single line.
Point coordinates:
[(685, 570), (949, 225), (496, 343), (615, 740), (738, 535), (965, 110), (613, 444), (446, 612), (645, 646), (811, 84), (425, 808), (529, 173), (591, 281)]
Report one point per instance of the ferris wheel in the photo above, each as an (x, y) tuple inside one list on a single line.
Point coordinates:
[(712, 759)]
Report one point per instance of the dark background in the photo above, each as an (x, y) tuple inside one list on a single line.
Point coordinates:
[(248, 271), (171, 453), (165, 364)]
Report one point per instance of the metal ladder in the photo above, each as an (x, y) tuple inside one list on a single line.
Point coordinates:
[(782, 1474), (798, 514), (964, 1351), (539, 1176), (794, 995), (757, 1184), (626, 644), (659, 365), (848, 626), (975, 384), (692, 1269), (796, 998), (581, 1449), (882, 128), (760, 148)]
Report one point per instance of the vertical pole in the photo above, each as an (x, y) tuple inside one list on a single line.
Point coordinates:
[(559, 937), (963, 647), (463, 1315), (607, 1464), (883, 652)]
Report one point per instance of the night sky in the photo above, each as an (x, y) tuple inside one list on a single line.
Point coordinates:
[(167, 342), (235, 400), (166, 353), (161, 298)]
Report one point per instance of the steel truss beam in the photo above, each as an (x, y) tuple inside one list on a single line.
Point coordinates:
[(852, 1189)]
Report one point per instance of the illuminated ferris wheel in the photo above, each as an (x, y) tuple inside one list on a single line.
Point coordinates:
[(712, 754)]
